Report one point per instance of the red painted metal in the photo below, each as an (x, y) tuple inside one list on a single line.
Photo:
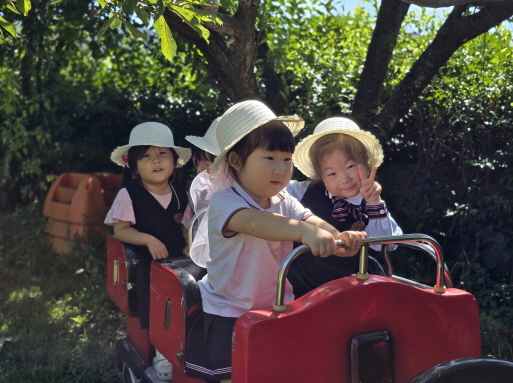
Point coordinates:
[(166, 290), (310, 342), (139, 338), (117, 289)]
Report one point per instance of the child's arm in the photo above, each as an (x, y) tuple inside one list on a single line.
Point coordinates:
[(275, 227), (126, 233), (353, 239)]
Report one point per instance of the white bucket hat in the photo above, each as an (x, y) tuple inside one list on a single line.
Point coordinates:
[(154, 134), (241, 119), (301, 156), (208, 142)]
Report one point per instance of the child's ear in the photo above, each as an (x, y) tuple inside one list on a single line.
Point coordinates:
[(234, 160)]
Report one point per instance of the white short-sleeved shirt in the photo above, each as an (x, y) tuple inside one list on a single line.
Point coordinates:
[(243, 270)]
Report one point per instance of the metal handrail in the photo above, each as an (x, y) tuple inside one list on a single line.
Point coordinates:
[(284, 268), (421, 247)]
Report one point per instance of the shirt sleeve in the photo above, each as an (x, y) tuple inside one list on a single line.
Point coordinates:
[(297, 189), (224, 204), (121, 209), (383, 226), (294, 208)]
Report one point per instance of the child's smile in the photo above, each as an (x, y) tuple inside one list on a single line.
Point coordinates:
[(340, 175)]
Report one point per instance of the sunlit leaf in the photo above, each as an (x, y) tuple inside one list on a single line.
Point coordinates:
[(106, 26), (167, 43), (135, 32), (7, 26)]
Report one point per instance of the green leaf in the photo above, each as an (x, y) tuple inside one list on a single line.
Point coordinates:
[(143, 15), (7, 26), (106, 26), (23, 6), (167, 43), (135, 32), (129, 6)]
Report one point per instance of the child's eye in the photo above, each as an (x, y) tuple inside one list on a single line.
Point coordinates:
[(351, 166), (330, 174), (269, 158), (288, 159)]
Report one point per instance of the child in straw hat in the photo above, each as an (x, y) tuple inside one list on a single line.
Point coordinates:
[(251, 227), (147, 212), (341, 160)]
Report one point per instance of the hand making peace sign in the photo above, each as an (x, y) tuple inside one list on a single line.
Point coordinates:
[(369, 189)]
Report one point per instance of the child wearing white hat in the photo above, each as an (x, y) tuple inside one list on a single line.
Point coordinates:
[(251, 227), (148, 211), (341, 160)]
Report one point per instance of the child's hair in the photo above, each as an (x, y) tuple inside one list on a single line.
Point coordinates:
[(202, 155), (329, 143), (135, 153), (273, 136)]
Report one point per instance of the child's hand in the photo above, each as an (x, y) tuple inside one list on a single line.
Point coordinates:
[(369, 189), (320, 241), (157, 249), (353, 242)]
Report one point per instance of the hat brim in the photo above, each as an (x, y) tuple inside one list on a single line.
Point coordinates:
[(294, 123), (184, 155), (204, 144), (301, 156)]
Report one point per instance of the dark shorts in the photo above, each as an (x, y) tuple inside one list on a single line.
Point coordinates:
[(208, 354)]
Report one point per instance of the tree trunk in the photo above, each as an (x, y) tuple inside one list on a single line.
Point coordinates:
[(230, 52), (456, 31), (388, 25)]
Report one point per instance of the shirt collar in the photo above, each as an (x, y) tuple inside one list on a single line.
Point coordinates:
[(274, 199), (356, 200)]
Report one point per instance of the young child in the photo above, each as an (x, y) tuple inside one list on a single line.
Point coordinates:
[(251, 227), (204, 155), (341, 161), (147, 212)]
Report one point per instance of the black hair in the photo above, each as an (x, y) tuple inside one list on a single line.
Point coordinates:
[(135, 153), (273, 136)]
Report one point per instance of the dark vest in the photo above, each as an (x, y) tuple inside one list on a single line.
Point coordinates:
[(308, 272), (321, 205), (153, 219)]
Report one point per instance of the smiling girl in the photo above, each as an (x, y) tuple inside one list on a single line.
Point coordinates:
[(341, 161)]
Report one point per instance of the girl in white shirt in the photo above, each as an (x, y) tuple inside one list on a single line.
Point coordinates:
[(251, 227)]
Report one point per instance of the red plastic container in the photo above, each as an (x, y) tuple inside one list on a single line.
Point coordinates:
[(76, 204)]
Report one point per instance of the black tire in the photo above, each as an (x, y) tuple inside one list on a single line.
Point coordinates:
[(475, 370)]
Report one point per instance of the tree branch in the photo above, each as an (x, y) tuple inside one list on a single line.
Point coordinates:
[(388, 25), (450, 3), (456, 31)]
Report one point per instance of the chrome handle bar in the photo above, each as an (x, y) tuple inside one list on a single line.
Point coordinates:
[(190, 235), (279, 305)]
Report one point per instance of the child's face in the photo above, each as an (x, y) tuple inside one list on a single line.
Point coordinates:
[(202, 165), (265, 174), (340, 175), (156, 166)]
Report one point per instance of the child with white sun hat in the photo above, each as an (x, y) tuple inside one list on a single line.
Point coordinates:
[(341, 161), (148, 210), (251, 227)]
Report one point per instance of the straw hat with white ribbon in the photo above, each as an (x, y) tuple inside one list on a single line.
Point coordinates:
[(208, 142), (241, 119), (301, 156), (154, 134)]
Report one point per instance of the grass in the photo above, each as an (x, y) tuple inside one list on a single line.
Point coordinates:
[(57, 323)]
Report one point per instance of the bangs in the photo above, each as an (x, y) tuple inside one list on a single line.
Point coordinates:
[(274, 137)]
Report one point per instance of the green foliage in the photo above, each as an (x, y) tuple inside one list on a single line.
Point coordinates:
[(131, 12), (56, 303), (319, 54)]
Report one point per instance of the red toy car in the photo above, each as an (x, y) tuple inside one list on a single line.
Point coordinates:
[(359, 329)]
